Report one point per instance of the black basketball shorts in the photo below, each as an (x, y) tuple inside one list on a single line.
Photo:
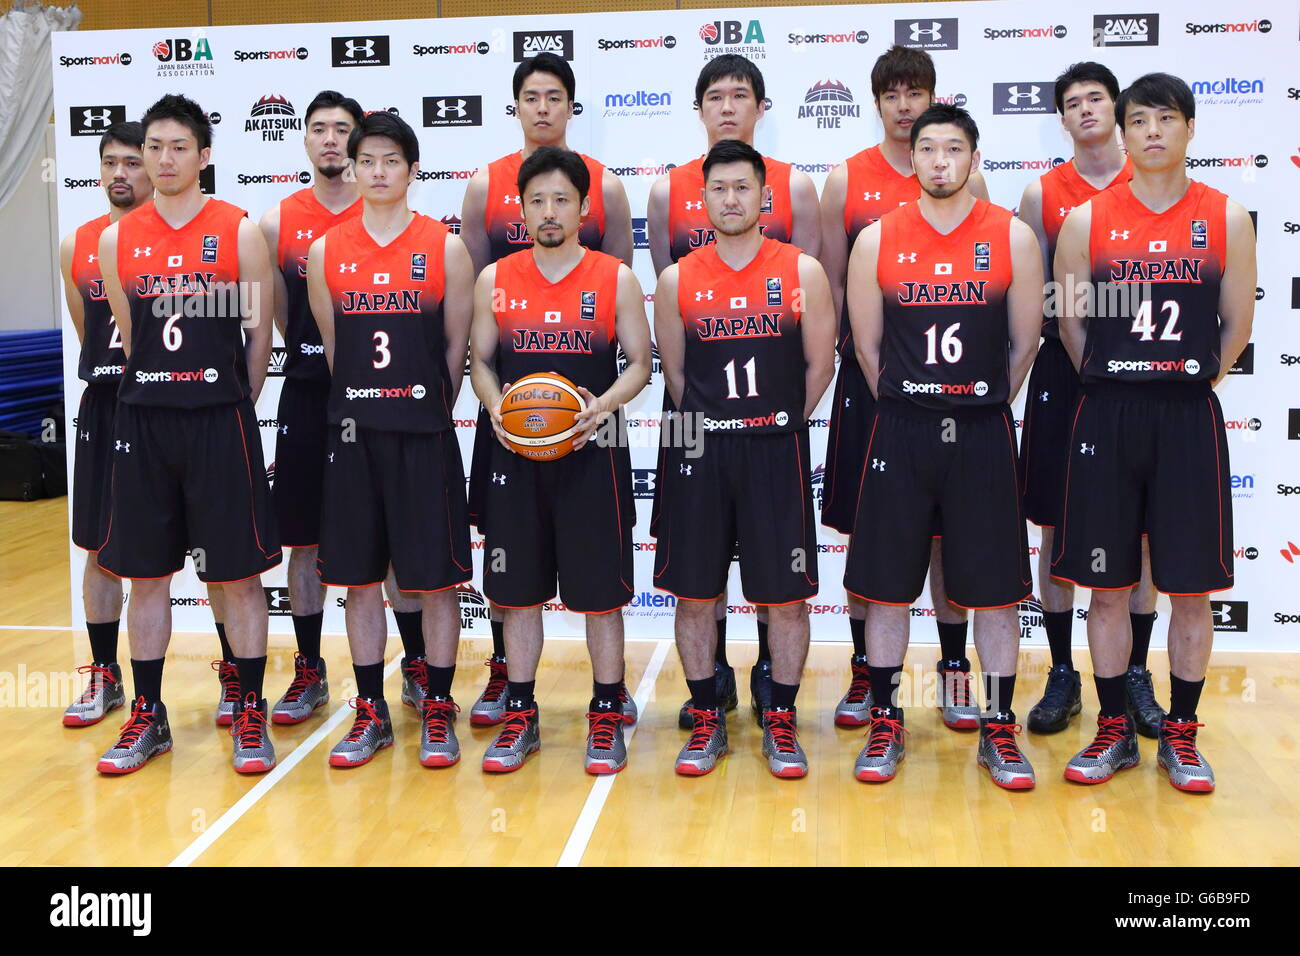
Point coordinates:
[(846, 446), (92, 466), (1147, 458), (189, 479), (394, 498), (480, 466), (661, 464), (300, 461), (956, 466), (1053, 393), (753, 492)]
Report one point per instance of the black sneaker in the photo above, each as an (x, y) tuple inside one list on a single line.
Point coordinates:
[(760, 689), (1062, 699), (724, 678), (1143, 710)]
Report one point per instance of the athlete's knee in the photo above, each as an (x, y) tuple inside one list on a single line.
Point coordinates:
[(1108, 600)]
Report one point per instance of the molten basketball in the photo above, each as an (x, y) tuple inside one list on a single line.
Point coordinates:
[(538, 416)]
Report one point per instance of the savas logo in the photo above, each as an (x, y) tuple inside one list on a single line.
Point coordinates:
[(1249, 26), (184, 57), (1025, 33), (828, 103), (733, 36), (359, 51), (482, 47), (926, 34), (115, 59), (1230, 615), (645, 43), (528, 44), (1021, 98), (275, 363), (1126, 29), (453, 110), (292, 53), (849, 36), (93, 120), (272, 116)]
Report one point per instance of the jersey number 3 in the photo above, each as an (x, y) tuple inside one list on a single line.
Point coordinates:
[(382, 355)]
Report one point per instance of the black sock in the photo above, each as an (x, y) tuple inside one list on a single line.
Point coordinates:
[(998, 691), (1142, 624), (410, 624), (763, 653), (251, 672), (783, 695), (499, 639), (720, 648), (1112, 695), (952, 640), (605, 696), (1184, 696), (884, 685), (1059, 624), (306, 629), (519, 694), (440, 679), (859, 631), (704, 693), (147, 676), (103, 641), (227, 654), (370, 680)]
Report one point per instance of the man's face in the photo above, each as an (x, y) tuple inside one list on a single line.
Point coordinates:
[(382, 172), (327, 140), (899, 106), (1088, 112), (1156, 137), (552, 210), (943, 160), (122, 172), (544, 108), (172, 157), (730, 110), (733, 197)]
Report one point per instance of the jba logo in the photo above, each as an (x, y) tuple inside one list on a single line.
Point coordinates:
[(732, 32), (529, 44), (182, 50)]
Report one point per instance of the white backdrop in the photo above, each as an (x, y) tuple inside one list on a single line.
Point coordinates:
[(636, 75)]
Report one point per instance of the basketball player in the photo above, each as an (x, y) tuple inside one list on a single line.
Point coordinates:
[(392, 291), (1085, 99), (746, 332), (492, 225), (945, 296), (857, 193), (560, 307), (731, 98), (182, 275), (1148, 451), (122, 173)]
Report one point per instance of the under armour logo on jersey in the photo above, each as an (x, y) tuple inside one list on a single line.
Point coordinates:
[(877, 464), (707, 294), (518, 303), (871, 195), (685, 469), (694, 204), (122, 446), (1118, 234), (739, 302), (498, 479), (907, 257), (847, 401), (91, 257), (943, 268), (508, 200), (284, 429), (354, 48), (174, 262), (380, 278), (347, 267), (146, 251), (1157, 245), (1087, 449), (1044, 396), (1065, 210), (85, 436), (304, 233), (331, 457)]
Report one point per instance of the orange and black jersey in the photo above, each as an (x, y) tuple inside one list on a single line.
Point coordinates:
[(566, 326), (1063, 189), (745, 365), (946, 324), (505, 226), (187, 339), (302, 221), (688, 219), (1157, 276), (390, 348), (102, 357)]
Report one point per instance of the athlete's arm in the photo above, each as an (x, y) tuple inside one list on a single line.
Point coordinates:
[(318, 297), (866, 304), (473, 220), (1024, 303), (834, 255), (457, 309), (270, 226), (977, 186), (618, 219), (1031, 214), (633, 332), (483, 337), (1072, 270), (117, 300), (670, 335), (71, 294), (255, 275), (818, 326), (661, 254), (806, 232), (1236, 289)]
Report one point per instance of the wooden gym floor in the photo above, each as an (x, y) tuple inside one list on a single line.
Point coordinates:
[(189, 807)]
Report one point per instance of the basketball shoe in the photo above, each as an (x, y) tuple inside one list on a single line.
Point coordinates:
[(308, 690), (1000, 755), (415, 681), (519, 739), (252, 750), (724, 678), (1062, 699), (1143, 710), (854, 708), (1115, 748), (708, 742), (438, 744), (145, 735), (104, 693), (372, 731), (957, 707), (878, 762), (490, 707), (1180, 759), (228, 675), (606, 751), (785, 758)]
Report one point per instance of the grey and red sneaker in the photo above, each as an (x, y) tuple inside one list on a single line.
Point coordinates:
[(1115, 748), (308, 691), (490, 708), (1178, 756), (252, 751), (854, 708), (708, 742), (957, 705), (415, 681), (145, 735), (228, 675), (724, 679), (878, 762), (630, 714), (520, 737), (1001, 756), (104, 693), (372, 731), (785, 758), (438, 744), (606, 751)]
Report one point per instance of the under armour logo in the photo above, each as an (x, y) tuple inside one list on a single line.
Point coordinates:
[(347, 267), (1087, 449), (122, 446), (943, 268), (1064, 210), (276, 597), (1223, 614), (1015, 94), (91, 258), (85, 436), (907, 257), (498, 479), (380, 278), (685, 469), (284, 429), (304, 233), (510, 199), (1157, 245), (331, 457), (695, 204), (146, 251), (1118, 234), (354, 48), (877, 464), (604, 705), (702, 296), (518, 303), (934, 31), (451, 108), (847, 401), (1044, 396), (99, 117), (871, 195)]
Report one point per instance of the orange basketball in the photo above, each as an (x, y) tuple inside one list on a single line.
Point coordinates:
[(538, 414)]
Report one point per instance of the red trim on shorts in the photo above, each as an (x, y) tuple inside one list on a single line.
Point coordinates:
[(523, 607), (446, 587), (803, 600), (863, 597), (332, 584), (245, 578), (712, 600), (1196, 593), (1038, 525), (617, 607), (248, 467), (129, 577), (297, 547), (990, 607), (1090, 587), (88, 550)]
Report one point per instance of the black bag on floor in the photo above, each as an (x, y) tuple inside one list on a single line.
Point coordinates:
[(31, 469)]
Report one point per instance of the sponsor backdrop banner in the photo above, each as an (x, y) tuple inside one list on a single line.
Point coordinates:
[(450, 78)]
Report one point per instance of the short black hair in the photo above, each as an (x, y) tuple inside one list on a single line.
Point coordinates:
[(1085, 72), (383, 123), (730, 66), (128, 134), (1157, 90), (941, 113), (547, 159), (183, 110), (331, 99), (546, 63), (899, 64), (734, 151)]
